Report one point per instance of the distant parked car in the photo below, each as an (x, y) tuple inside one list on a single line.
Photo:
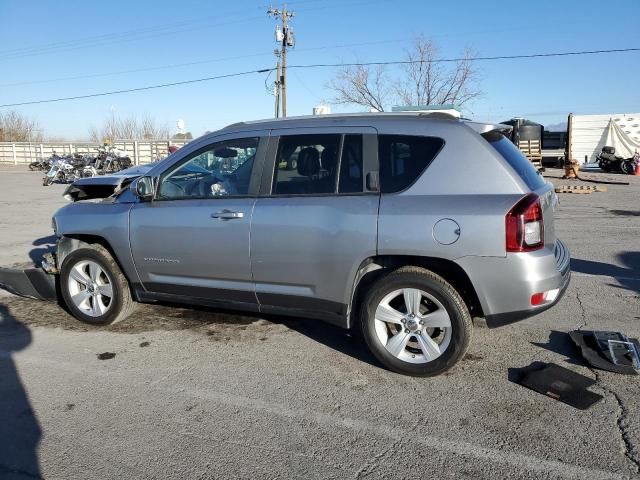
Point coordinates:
[(403, 226)]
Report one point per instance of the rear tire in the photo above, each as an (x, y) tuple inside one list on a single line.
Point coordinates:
[(438, 325), (94, 288), (628, 167)]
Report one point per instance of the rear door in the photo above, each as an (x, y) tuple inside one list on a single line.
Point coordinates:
[(316, 219)]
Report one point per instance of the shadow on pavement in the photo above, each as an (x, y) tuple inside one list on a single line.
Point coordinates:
[(628, 276), (561, 343), (339, 339), (626, 213), (45, 245), (19, 429)]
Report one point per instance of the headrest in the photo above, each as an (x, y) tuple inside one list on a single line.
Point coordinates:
[(329, 159), (308, 162)]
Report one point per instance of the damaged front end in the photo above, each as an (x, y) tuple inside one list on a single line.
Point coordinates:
[(32, 282), (103, 186)]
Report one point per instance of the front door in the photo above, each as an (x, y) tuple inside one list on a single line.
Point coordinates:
[(193, 239)]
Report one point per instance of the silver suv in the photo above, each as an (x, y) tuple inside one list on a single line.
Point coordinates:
[(404, 226)]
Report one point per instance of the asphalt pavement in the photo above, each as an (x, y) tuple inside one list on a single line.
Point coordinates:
[(199, 393)]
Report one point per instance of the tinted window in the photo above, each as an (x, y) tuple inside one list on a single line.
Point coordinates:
[(403, 158), (306, 165), (351, 165), (514, 157), (222, 169)]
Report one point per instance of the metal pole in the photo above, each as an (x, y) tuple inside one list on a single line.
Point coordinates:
[(567, 159), (278, 75), (283, 78)]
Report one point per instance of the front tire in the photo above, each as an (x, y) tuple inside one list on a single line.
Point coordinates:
[(415, 323), (94, 288)]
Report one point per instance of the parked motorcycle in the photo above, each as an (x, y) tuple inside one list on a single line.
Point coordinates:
[(60, 171), (66, 169), (608, 161), (109, 161)]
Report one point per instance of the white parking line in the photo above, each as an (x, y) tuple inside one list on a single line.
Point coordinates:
[(518, 461)]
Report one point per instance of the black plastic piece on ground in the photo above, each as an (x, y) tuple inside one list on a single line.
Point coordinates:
[(29, 282), (595, 350), (560, 384)]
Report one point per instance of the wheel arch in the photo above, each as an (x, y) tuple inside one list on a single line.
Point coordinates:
[(70, 242), (373, 268)]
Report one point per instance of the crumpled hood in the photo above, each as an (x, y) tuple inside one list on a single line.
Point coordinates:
[(103, 186)]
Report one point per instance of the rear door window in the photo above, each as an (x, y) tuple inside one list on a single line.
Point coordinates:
[(403, 158), (514, 157), (306, 165)]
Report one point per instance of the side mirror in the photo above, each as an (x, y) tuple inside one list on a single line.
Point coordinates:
[(143, 188)]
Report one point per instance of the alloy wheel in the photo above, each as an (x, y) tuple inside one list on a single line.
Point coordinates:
[(90, 288), (413, 325)]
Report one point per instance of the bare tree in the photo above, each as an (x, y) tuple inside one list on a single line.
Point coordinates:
[(115, 128), (362, 85), (427, 81), (424, 80), (15, 127)]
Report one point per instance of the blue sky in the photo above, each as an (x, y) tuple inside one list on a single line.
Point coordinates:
[(46, 40)]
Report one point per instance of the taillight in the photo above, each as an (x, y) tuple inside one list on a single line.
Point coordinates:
[(525, 226)]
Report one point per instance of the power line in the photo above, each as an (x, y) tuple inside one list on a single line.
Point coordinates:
[(326, 65), (139, 89), (126, 37), (471, 59), (147, 32), (195, 62)]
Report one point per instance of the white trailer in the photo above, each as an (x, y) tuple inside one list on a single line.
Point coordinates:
[(589, 133)]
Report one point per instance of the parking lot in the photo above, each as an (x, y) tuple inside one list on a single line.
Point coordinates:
[(198, 393)]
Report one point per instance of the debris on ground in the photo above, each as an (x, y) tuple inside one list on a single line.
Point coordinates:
[(106, 356), (561, 384), (580, 189), (145, 344), (610, 351)]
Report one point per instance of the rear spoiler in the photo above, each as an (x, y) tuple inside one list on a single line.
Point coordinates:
[(489, 127)]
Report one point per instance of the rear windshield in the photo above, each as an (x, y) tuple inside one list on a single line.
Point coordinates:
[(516, 159)]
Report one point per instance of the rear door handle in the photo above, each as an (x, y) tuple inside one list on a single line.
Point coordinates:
[(227, 215)]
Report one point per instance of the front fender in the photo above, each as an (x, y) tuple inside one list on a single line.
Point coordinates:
[(104, 223)]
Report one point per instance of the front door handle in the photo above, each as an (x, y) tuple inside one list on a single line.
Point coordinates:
[(227, 215)]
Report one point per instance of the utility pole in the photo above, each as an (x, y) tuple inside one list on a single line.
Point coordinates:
[(277, 85), (284, 36)]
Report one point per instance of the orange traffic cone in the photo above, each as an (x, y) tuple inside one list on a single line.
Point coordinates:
[(637, 174)]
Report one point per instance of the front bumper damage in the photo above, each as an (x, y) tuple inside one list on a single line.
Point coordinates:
[(37, 283)]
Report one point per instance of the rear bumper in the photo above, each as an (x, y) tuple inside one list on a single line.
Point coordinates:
[(505, 285), (29, 282), (501, 319)]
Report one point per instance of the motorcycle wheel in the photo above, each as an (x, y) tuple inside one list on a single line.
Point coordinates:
[(628, 167), (604, 165), (46, 181)]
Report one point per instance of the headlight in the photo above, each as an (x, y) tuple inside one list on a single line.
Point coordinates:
[(54, 226)]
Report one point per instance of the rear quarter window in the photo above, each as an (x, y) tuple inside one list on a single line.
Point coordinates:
[(514, 157), (403, 158)]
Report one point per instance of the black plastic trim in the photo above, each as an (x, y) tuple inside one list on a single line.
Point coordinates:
[(29, 282), (219, 295)]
